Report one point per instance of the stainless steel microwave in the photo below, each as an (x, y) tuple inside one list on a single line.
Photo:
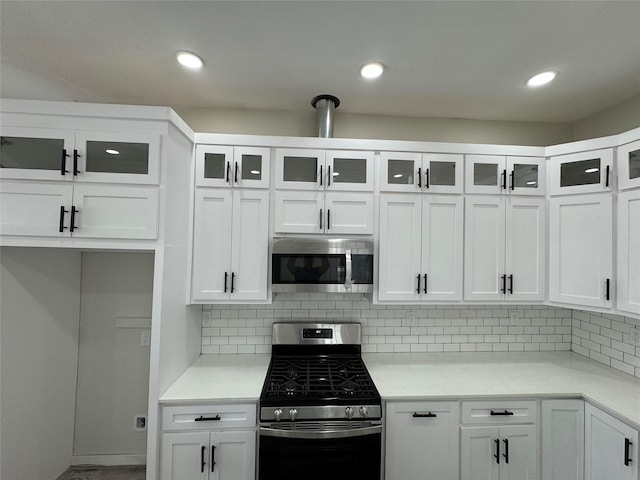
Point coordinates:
[(303, 264)]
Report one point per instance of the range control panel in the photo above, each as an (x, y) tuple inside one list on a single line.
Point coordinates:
[(317, 333)]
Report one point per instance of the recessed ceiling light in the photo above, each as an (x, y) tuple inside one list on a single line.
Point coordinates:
[(372, 70), (112, 152), (541, 79), (189, 60)]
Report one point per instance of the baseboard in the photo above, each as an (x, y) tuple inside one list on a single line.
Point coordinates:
[(109, 460)]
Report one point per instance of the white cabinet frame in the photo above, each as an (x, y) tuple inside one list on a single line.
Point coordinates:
[(622, 162), (606, 172), (628, 241)]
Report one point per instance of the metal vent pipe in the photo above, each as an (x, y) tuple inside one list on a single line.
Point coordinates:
[(325, 106)]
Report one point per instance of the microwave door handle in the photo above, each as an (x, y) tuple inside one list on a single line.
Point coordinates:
[(347, 276)]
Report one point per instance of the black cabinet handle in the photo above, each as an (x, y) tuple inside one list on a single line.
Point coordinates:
[(627, 452), (233, 278), (328, 175), (511, 181), (511, 284), (607, 292), (606, 181), (328, 219), (419, 178), (425, 283), (320, 219), (206, 419), (235, 173), (424, 415), (504, 284), (497, 455), (63, 162), (72, 223), (213, 456), (76, 155), (320, 175), (418, 289), (426, 178), (505, 413), (504, 179), (227, 172), (506, 450), (61, 227), (202, 462), (226, 276)]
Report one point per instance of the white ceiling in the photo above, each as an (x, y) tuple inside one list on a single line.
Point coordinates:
[(456, 59)]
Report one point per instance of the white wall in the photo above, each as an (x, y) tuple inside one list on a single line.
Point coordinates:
[(113, 368), (39, 311), (617, 119)]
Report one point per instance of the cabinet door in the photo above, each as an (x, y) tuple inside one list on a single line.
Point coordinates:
[(299, 212), (611, 447), (580, 250), (117, 157), (214, 166), (422, 441), (442, 173), (485, 174), (349, 213), (525, 248), (250, 245), (480, 450), (127, 212), (251, 167), (519, 453), (442, 247), (562, 439), (484, 248), (211, 272), (36, 153), (584, 172), (185, 456), (400, 247), (527, 175), (628, 286), (400, 172), (40, 209), (349, 170), (233, 455), (628, 163), (300, 169)]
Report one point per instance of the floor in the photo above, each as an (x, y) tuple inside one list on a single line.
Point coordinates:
[(98, 472)]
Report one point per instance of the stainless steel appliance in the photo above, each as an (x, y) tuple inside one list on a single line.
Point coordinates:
[(302, 264), (320, 412)]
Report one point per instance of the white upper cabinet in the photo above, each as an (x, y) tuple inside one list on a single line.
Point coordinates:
[(583, 172), (80, 156), (421, 172), (223, 166), (628, 164), (305, 169), (497, 174), (628, 236), (580, 250)]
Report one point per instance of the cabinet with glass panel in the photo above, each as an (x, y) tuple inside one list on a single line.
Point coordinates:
[(628, 162), (498, 174), (420, 172), (581, 172), (225, 166)]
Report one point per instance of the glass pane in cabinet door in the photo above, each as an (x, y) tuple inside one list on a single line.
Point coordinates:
[(585, 172), (117, 157), (634, 164), (31, 153), (349, 170), (485, 174), (400, 172), (442, 173), (215, 165), (300, 169), (251, 167), (525, 175)]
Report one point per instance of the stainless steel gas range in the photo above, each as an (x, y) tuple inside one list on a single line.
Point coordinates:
[(320, 412)]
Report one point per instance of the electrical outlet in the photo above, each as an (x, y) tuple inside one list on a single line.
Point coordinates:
[(635, 336), (514, 315), (410, 321), (140, 422), (145, 338)]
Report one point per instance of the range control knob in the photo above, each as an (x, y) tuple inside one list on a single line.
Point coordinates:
[(278, 413), (349, 412), (293, 413), (364, 411)]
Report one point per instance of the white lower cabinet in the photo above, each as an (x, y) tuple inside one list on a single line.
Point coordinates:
[(422, 441), (611, 447), (562, 440), (628, 233)]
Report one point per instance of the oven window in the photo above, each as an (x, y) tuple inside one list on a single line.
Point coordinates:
[(335, 459)]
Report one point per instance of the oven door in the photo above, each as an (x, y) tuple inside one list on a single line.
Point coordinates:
[(312, 451)]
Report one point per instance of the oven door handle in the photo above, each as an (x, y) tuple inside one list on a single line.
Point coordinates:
[(320, 434)]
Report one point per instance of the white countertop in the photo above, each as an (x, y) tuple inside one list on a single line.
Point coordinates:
[(406, 376)]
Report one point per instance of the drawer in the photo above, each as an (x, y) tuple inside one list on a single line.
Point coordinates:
[(500, 411), (209, 417)]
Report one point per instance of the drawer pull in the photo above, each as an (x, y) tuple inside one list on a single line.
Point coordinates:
[(206, 419), (424, 415), (505, 413)]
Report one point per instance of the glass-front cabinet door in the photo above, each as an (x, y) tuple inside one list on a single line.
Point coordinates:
[(442, 172), (526, 175), (222, 166), (36, 153), (485, 174), (584, 172), (349, 170), (300, 169), (628, 163), (400, 171)]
